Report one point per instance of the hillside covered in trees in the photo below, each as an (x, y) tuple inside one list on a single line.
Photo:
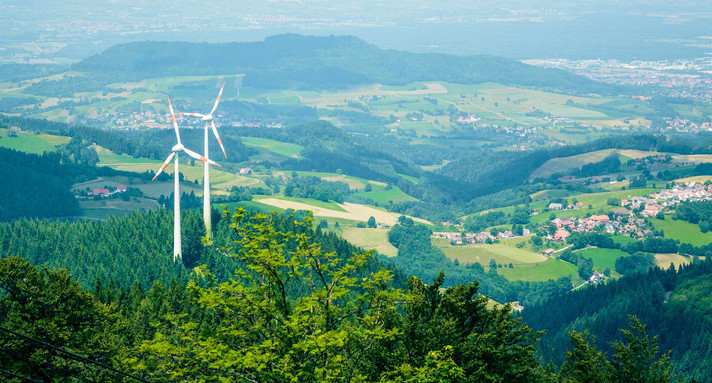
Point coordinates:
[(312, 62), (674, 305)]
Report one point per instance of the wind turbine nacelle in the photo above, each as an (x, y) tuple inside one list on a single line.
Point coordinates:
[(178, 148), (209, 117)]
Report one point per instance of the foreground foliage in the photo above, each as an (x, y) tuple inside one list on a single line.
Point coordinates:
[(296, 313)]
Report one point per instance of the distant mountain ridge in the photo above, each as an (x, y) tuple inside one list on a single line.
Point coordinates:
[(322, 62)]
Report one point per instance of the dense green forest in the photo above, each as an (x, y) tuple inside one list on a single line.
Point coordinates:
[(672, 304), (295, 305), (133, 249), (44, 190), (311, 62)]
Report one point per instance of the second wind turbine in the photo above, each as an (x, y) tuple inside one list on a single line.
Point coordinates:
[(208, 118), (177, 148)]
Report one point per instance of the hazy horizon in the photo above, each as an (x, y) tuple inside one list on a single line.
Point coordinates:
[(627, 30)]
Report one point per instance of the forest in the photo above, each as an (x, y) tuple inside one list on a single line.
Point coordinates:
[(309, 308), (660, 298), (44, 190)]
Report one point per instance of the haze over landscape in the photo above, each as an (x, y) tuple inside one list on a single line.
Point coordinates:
[(343, 191)]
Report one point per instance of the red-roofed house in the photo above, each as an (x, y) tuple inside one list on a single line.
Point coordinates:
[(100, 192), (561, 235), (599, 218)]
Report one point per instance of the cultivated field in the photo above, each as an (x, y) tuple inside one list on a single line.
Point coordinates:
[(664, 260), (220, 181), (352, 211), (285, 149), (482, 254), (370, 239), (539, 272)]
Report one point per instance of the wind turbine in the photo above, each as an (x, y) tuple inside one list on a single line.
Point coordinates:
[(177, 148), (208, 118)]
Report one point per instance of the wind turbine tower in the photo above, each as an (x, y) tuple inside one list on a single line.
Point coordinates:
[(177, 148), (208, 118)]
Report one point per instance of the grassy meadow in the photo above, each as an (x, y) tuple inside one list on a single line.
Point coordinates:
[(482, 254), (368, 239), (539, 272), (29, 142), (683, 231)]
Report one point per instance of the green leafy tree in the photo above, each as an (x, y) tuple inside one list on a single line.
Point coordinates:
[(489, 345), (290, 315), (371, 222), (49, 306), (438, 368)]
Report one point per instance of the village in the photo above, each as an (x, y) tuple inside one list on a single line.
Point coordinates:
[(630, 218)]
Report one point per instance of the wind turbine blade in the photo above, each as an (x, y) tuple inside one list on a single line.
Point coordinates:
[(199, 157), (193, 114), (175, 123), (165, 163), (215, 131), (217, 100)]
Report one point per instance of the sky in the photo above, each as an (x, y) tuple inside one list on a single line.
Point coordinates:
[(70, 30)]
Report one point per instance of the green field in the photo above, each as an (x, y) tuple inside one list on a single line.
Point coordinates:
[(683, 231), (115, 207), (315, 202), (539, 272), (370, 239), (603, 258), (285, 149), (380, 195), (483, 253), (220, 181), (251, 205), (29, 142)]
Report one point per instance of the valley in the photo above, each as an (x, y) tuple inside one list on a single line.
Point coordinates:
[(539, 184)]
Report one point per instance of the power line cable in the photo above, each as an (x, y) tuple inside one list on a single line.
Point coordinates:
[(19, 376), (77, 356)]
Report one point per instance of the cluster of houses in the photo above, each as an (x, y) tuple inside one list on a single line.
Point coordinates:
[(560, 206), (658, 201), (630, 219), (622, 223), (687, 126), (481, 237), (150, 119), (101, 192)]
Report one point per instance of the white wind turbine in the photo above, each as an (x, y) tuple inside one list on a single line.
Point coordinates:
[(208, 118), (177, 249)]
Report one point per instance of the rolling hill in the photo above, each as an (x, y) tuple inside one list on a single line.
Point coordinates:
[(315, 62)]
